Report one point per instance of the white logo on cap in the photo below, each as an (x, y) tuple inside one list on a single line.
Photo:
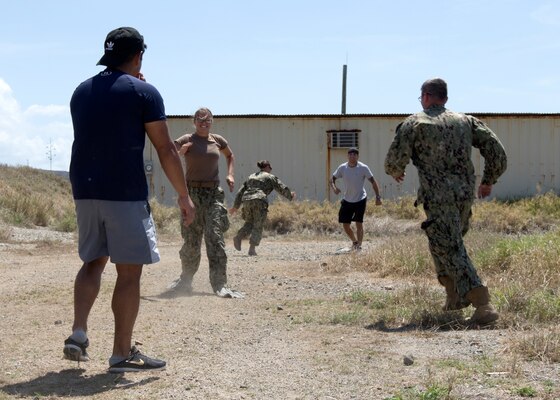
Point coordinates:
[(109, 46)]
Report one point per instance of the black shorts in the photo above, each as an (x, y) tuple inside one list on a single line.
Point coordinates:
[(352, 211)]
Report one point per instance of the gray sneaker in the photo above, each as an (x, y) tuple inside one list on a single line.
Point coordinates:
[(137, 362)]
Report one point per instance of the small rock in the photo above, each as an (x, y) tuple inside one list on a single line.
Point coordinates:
[(279, 308), (408, 360), (58, 322)]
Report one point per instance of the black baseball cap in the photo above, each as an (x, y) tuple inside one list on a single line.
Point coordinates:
[(120, 44), (353, 150)]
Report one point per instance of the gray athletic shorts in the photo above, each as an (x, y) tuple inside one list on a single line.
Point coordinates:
[(122, 230)]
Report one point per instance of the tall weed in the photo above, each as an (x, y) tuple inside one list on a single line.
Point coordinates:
[(527, 215), (532, 259), (31, 197), (167, 219), (541, 345)]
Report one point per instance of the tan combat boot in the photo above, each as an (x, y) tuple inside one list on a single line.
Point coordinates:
[(237, 242), (453, 301), (480, 299)]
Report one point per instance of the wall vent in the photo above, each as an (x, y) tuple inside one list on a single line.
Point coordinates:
[(343, 139)]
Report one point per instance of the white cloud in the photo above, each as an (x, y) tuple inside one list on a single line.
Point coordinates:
[(50, 110), (26, 136)]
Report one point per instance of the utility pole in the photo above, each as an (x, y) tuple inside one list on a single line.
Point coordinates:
[(343, 89), (51, 152)]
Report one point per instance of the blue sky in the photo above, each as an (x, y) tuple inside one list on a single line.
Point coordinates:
[(275, 57)]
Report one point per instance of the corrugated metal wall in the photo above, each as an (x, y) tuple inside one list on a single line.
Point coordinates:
[(297, 148), (533, 147)]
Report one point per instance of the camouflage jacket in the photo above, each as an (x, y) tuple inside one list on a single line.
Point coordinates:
[(439, 142), (258, 186)]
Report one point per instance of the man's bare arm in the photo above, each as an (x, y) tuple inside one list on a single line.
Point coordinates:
[(158, 133)]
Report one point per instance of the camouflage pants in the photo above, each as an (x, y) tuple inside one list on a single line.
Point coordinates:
[(254, 213), (211, 221), (445, 226)]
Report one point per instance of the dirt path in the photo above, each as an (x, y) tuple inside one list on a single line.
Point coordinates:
[(260, 347)]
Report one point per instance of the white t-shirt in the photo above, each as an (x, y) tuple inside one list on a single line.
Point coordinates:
[(353, 178)]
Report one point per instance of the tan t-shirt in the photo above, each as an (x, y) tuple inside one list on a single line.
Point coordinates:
[(203, 156)]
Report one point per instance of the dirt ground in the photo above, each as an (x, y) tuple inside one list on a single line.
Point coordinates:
[(260, 347)]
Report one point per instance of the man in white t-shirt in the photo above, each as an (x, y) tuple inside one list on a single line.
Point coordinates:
[(353, 204)]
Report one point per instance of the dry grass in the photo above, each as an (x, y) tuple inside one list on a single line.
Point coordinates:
[(534, 257), (31, 197), (392, 258), (5, 232), (321, 218), (523, 272), (167, 219), (543, 345), (533, 214), (302, 217), (400, 208), (515, 246)]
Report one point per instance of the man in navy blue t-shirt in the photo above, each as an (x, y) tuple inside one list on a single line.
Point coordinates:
[(112, 112)]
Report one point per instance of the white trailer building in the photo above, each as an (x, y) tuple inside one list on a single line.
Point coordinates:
[(304, 151)]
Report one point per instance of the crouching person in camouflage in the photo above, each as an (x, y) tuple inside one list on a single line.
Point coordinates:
[(439, 142), (253, 195)]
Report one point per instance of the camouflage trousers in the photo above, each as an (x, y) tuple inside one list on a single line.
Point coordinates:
[(211, 221), (254, 213), (445, 226)]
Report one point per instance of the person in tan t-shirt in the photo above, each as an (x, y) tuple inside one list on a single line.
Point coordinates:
[(201, 150)]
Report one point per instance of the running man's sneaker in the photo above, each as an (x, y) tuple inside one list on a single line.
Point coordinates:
[(75, 351), (137, 362)]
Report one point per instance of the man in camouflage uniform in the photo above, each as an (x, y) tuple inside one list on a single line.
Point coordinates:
[(253, 194), (439, 142)]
